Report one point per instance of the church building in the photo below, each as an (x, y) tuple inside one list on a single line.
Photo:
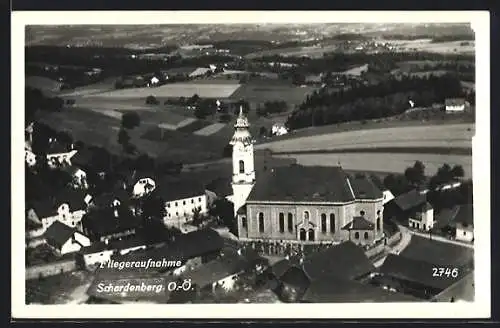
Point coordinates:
[(309, 204)]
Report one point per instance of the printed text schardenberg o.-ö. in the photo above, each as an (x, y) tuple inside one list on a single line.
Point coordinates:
[(160, 264), (142, 287)]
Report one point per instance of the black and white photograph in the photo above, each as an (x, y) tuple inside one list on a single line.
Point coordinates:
[(217, 158)]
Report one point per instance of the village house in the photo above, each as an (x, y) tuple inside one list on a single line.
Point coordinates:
[(59, 155), (457, 221), (422, 218), (183, 198), (418, 278), (110, 223), (454, 105), (67, 206), (78, 177), (222, 273), (297, 203), (65, 239), (336, 290), (464, 221), (29, 157), (406, 205)]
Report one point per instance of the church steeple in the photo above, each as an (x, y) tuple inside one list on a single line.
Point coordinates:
[(241, 133), (243, 160)]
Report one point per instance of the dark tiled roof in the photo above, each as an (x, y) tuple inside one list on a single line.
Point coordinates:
[(83, 158), (94, 248), (106, 199), (465, 215), (58, 233), (174, 189), (280, 267), (333, 290), (438, 253), (345, 260), (364, 188), (421, 272), (48, 207), (295, 277), (102, 222), (446, 216), (185, 246), (454, 101), (359, 223), (216, 270), (410, 200), (127, 243), (377, 182), (302, 183)]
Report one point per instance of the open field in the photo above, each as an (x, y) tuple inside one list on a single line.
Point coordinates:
[(210, 129), (259, 93), (384, 162), (212, 90), (453, 135), (313, 52), (95, 88), (438, 47), (43, 83)]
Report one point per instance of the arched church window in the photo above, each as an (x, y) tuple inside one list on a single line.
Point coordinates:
[(332, 222), (261, 222), (366, 235), (242, 166), (282, 222), (244, 222), (311, 234), (306, 215), (303, 234), (323, 222), (362, 213), (290, 222), (378, 223), (356, 235)]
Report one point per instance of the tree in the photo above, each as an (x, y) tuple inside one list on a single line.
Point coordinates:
[(194, 99), (123, 137), (224, 210), (200, 114), (151, 100), (262, 131), (130, 120), (458, 171)]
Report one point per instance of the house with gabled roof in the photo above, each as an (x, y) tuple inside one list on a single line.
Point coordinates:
[(67, 206), (65, 239)]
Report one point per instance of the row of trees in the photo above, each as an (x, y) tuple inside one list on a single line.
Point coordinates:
[(272, 107), (371, 102)]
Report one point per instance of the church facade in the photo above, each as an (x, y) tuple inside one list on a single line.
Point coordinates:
[(307, 204)]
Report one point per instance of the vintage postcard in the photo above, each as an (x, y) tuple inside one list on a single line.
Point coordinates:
[(251, 164)]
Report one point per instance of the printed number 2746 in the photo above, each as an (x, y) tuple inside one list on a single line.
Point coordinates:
[(444, 272)]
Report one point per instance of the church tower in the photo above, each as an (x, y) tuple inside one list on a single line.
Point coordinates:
[(243, 161)]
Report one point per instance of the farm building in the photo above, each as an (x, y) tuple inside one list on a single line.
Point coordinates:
[(456, 105), (65, 239)]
